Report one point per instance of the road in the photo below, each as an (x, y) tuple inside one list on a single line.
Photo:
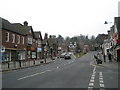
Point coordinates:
[(74, 73)]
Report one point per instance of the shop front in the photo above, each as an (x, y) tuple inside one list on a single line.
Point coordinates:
[(31, 53), (118, 53), (13, 54), (39, 53)]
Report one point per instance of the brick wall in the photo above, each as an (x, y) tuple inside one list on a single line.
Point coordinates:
[(10, 44)]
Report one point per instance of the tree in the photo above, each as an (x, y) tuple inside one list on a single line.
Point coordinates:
[(60, 39)]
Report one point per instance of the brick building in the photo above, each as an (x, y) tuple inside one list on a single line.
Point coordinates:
[(13, 42), (38, 39), (18, 41)]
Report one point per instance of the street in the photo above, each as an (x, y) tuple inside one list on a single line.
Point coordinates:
[(73, 73)]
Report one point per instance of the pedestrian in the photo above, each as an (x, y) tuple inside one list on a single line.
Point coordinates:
[(110, 57), (104, 56)]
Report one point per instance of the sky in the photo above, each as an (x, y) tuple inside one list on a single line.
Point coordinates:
[(64, 17)]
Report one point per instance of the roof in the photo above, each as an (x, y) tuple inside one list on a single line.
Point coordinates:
[(21, 28), (16, 27), (8, 26), (38, 35)]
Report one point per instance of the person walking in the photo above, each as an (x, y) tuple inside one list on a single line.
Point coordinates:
[(104, 57)]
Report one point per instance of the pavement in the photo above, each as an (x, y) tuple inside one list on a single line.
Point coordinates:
[(24, 64), (107, 64)]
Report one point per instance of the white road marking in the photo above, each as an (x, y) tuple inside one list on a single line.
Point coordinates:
[(91, 84), (57, 67), (90, 88), (100, 78), (93, 78), (33, 75), (100, 73), (101, 81), (102, 85), (94, 69), (49, 70), (92, 81)]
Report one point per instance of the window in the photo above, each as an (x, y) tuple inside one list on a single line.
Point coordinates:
[(29, 40), (39, 43), (18, 39), (30, 31), (13, 38), (22, 40), (7, 36)]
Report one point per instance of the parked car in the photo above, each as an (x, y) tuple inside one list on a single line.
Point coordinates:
[(67, 56), (62, 55)]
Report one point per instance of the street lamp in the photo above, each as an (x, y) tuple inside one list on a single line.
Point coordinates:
[(107, 22)]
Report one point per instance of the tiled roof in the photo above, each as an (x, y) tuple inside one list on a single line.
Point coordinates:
[(15, 27), (37, 34)]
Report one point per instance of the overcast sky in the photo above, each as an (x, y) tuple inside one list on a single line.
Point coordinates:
[(64, 17)]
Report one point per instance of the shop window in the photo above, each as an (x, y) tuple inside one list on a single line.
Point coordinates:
[(33, 54)]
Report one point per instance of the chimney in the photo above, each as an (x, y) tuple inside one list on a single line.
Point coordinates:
[(108, 34), (25, 23), (46, 36)]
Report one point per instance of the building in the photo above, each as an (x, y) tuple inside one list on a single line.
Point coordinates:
[(100, 40), (38, 39), (31, 47), (13, 42), (117, 37), (19, 42)]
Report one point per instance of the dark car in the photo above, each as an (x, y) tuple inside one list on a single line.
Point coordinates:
[(67, 56)]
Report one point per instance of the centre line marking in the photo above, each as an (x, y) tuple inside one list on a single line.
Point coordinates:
[(33, 75)]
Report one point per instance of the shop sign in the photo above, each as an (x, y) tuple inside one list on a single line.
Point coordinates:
[(2, 49), (32, 48), (39, 49)]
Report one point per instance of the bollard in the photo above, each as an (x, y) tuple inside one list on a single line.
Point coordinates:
[(34, 61), (8, 65), (20, 63)]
